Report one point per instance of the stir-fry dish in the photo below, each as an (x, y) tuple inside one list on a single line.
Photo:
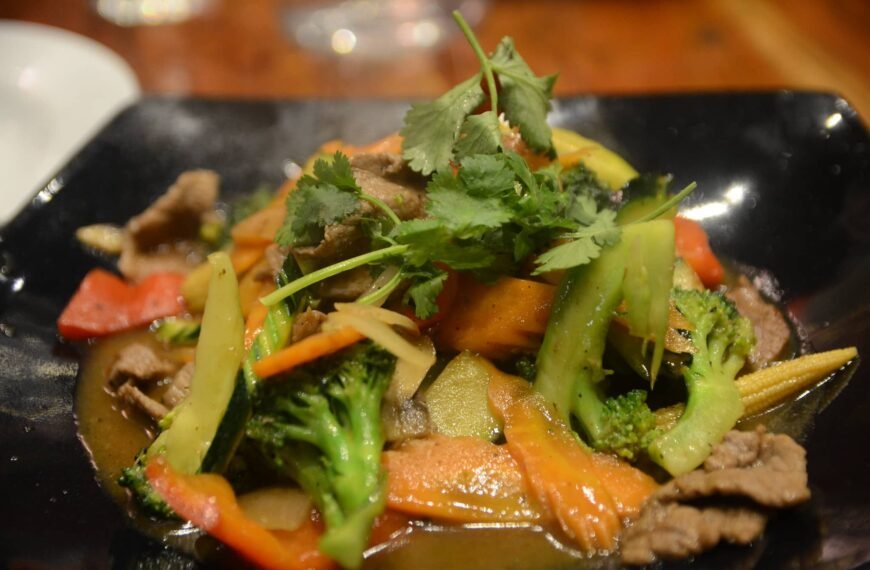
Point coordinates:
[(477, 320)]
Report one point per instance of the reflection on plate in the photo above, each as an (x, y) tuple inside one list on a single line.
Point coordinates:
[(783, 185), (56, 90)]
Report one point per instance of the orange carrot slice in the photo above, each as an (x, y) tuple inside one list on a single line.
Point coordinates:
[(245, 257), (208, 502), (497, 320), (259, 228), (586, 493), (458, 479), (307, 350), (254, 323)]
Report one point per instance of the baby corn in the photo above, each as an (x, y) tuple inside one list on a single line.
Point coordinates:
[(765, 388), (769, 386)]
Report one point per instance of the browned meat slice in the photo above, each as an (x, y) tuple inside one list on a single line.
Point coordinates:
[(347, 286), (670, 531), (384, 176), (339, 241), (180, 386), (139, 363), (759, 470), (767, 468), (306, 324), (135, 397), (771, 330), (275, 256), (164, 236)]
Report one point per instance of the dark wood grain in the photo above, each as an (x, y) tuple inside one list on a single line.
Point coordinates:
[(237, 49)]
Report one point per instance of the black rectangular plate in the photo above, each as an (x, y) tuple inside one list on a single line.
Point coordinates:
[(785, 177)]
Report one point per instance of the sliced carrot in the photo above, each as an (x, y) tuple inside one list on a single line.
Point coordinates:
[(458, 479), (588, 494), (694, 247), (307, 350), (254, 284), (209, 503), (244, 257), (254, 323), (561, 474), (497, 320), (629, 487), (259, 228), (281, 194), (391, 143)]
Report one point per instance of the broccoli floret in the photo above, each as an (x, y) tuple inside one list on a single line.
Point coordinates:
[(134, 479), (722, 340), (326, 433), (569, 366), (627, 425)]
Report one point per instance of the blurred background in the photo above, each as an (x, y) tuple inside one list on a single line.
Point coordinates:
[(399, 48), (259, 48)]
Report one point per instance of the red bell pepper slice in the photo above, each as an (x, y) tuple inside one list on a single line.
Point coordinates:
[(105, 304), (693, 246)]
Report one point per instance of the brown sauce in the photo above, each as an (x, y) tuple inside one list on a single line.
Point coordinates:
[(114, 433)]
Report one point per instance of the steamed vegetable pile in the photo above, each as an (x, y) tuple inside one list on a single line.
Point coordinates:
[(530, 317)]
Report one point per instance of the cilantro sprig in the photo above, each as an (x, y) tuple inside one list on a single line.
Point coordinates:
[(328, 197), (446, 129), (487, 217)]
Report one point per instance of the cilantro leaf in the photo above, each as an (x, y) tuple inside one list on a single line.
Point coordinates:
[(465, 215), (487, 175), (586, 242), (525, 97), (431, 240), (479, 134), (326, 198), (431, 129), (439, 132), (428, 284), (337, 172)]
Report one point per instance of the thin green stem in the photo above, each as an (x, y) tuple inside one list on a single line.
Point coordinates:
[(485, 64), (382, 292), (381, 205), (334, 269), (673, 201)]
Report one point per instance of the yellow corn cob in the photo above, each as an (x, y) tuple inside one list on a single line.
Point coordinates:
[(769, 386), (763, 389)]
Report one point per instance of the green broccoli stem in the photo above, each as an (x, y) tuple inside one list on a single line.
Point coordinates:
[(323, 428), (569, 369), (722, 339), (713, 407)]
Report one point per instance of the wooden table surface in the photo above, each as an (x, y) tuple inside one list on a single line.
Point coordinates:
[(238, 49)]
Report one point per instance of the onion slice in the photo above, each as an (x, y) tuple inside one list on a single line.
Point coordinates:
[(382, 334), (277, 508), (377, 313)]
